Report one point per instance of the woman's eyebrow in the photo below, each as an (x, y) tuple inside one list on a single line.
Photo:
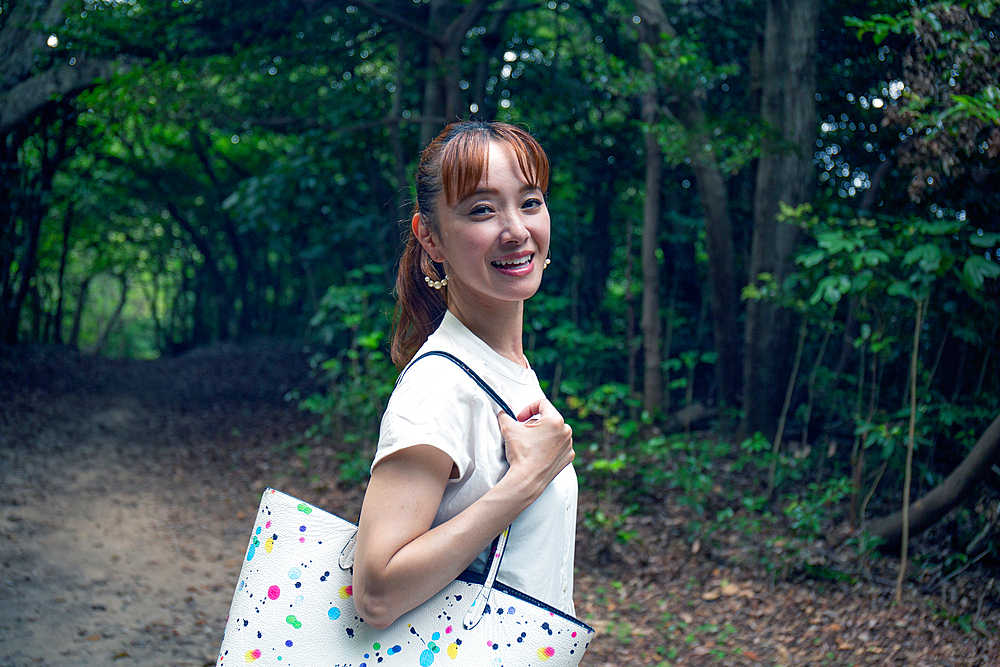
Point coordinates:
[(527, 187)]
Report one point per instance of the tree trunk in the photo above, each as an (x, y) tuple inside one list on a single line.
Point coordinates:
[(650, 321), (11, 311), (102, 340), (772, 474), (784, 174), (53, 152), (447, 26), (37, 330), (927, 511), (493, 41), (688, 108), (222, 311), (399, 185), (24, 100), (722, 271), (153, 296), (444, 34), (908, 468), (633, 341), (235, 325), (81, 302), (25, 91), (67, 227), (242, 324), (650, 29), (452, 40)]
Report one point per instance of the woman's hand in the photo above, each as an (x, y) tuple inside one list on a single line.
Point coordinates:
[(538, 445)]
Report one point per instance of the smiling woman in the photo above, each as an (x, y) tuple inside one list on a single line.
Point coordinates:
[(449, 173), (490, 244), (450, 474)]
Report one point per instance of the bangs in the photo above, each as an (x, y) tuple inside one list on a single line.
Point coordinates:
[(464, 160)]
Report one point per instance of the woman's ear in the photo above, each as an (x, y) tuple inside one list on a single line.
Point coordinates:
[(426, 238)]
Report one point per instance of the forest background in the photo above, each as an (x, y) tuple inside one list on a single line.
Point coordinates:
[(776, 241)]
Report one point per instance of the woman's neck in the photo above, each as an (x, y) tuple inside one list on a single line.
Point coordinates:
[(500, 328)]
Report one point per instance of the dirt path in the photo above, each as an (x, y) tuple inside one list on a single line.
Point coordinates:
[(120, 531), (127, 490), (105, 560)]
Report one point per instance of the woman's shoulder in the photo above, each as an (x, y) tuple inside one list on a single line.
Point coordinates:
[(433, 382), (435, 403)]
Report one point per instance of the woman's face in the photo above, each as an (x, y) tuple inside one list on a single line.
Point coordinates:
[(493, 242)]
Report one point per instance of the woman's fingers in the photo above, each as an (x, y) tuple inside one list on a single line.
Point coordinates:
[(542, 442), (539, 408)]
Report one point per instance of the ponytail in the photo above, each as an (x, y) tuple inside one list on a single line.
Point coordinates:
[(419, 308)]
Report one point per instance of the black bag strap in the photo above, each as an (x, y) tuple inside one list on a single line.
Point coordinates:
[(471, 373)]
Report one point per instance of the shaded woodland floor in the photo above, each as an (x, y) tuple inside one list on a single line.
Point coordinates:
[(127, 490)]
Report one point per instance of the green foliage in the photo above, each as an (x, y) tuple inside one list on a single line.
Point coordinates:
[(873, 261), (245, 172), (613, 523), (891, 255), (816, 508), (351, 327), (966, 622)]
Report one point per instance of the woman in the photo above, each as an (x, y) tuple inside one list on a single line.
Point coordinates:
[(452, 470)]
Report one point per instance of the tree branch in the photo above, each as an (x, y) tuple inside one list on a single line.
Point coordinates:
[(925, 512), (27, 98), (400, 21), (465, 21), (295, 124), (19, 40)]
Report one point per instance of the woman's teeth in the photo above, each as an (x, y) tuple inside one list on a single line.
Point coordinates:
[(513, 263)]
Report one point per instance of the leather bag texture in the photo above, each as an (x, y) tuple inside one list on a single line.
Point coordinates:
[(294, 607)]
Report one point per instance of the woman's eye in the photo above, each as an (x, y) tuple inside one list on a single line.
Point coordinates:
[(534, 202), (482, 209)]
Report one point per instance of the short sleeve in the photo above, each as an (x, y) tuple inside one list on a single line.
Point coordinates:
[(436, 404)]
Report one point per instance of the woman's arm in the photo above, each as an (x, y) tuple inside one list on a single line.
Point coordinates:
[(400, 561)]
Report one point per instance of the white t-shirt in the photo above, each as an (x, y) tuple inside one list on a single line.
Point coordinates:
[(436, 403)]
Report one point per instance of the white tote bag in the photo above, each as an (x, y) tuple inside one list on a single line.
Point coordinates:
[(294, 605)]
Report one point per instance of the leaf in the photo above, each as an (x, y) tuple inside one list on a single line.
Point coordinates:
[(873, 257), (861, 281), (831, 289), (927, 255), (940, 227), (985, 240), (811, 259), (899, 288), (835, 242), (977, 269)]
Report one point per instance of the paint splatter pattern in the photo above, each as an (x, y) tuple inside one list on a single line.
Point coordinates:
[(294, 607)]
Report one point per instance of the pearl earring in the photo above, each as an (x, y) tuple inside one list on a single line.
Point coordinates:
[(436, 284), (546, 264)]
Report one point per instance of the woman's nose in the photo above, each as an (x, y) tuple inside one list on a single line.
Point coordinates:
[(514, 230)]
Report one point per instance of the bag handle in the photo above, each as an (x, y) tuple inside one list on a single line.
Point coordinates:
[(471, 373), (478, 606)]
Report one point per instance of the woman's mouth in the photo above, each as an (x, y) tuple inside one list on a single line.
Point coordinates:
[(514, 265)]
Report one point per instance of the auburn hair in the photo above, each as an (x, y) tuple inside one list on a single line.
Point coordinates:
[(450, 169)]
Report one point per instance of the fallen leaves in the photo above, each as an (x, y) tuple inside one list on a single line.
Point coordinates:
[(727, 589), (667, 601), (664, 597)]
